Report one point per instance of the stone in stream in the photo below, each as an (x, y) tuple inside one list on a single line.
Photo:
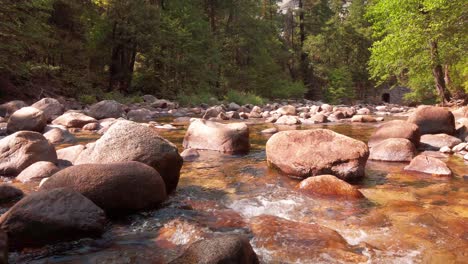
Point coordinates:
[(9, 108), (130, 141), (21, 149), (190, 154), (363, 119), (73, 119), (287, 110), (116, 187), (141, 115), (433, 120), (51, 216), (91, 127), (69, 154), (208, 135), (393, 149), (106, 109), (232, 249), (305, 153), (27, 119), (271, 130), (395, 129), (291, 241), (9, 193), (288, 120), (329, 185), (37, 171), (437, 141), (58, 135), (429, 165), (51, 107)]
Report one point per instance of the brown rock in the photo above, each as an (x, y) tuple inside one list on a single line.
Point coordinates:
[(48, 217), (288, 120), (393, 149), (3, 247), (232, 249), (59, 136), (433, 120), (437, 141), (363, 119), (91, 127), (37, 171), (73, 119), (70, 153), (106, 109), (287, 110), (27, 119), (9, 192), (21, 149), (115, 187), (208, 135), (429, 165), (130, 141), (395, 129), (9, 108), (51, 107), (329, 185), (308, 153), (190, 154)]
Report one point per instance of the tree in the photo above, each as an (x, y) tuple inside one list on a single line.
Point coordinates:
[(421, 43)]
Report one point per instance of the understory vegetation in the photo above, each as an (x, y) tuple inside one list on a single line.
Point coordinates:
[(245, 51)]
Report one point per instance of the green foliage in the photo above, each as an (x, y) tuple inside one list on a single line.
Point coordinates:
[(196, 99), (340, 89), (87, 99), (243, 98), (287, 90)]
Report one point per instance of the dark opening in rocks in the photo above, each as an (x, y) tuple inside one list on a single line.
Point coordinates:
[(386, 97)]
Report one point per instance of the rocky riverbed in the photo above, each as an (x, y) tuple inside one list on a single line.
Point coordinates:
[(287, 182)]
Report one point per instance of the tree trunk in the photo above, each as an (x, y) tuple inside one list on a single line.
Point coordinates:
[(438, 74)]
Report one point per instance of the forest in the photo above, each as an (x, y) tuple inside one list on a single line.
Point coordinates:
[(246, 51)]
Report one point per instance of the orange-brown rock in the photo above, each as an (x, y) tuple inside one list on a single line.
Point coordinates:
[(329, 185), (429, 165), (433, 120), (393, 149), (396, 129)]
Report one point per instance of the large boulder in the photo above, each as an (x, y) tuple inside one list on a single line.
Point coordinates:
[(228, 249), (395, 129), (429, 165), (437, 141), (37, 171), (22, 149), (106, 109), (115, 187), (51, 107), (27, 118), (9, 108), (130, 141), (329, 185), (393, 149), (305, 153), (433, 120), (58, 135), (73, 119), (52, 216), (208, 135), (9, 193), (287, 120)]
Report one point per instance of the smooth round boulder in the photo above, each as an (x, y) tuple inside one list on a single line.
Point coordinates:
[(141, 115), (395, 129), (305, 153), (37, 171), (51, 107), (115, 187), (59, 136), (51, 216), (106, 109), (433, 120), (233, 249), (21, 149), (130, 141), (393, 149), (73, 119), (437, 141), (9, 108), (363, 119), (287, 110), (329, 185), (208, 135), (429, 165), (9, 193), (287, 120), (27, 119)]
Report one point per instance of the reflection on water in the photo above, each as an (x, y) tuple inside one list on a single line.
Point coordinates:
[(407, 218)]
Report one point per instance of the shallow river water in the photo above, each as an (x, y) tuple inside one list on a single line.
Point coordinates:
[(406, 218)]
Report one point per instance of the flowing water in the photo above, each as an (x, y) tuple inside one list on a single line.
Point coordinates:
[(406, 218)]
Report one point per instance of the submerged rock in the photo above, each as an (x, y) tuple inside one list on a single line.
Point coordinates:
[(21, 149), (27, 119), (429, 165), (306, 153), (433, 120), (393, 149), (130, 141), (396, 129), (329, 185), (52, 216), (115, 187), (208, 135), (232, 249)]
